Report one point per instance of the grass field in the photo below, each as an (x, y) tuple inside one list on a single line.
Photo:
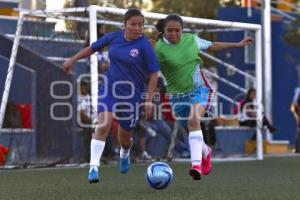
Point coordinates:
[(271, 179)]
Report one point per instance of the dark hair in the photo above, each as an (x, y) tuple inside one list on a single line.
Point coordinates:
[(160, 28), (84, 82), (99, 34), (131, 13), (248, 99), (173, 17)]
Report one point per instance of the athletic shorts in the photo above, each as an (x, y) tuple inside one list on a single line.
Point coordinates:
[(181, 103), (126, 112)]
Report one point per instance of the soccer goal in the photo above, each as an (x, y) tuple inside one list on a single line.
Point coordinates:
[(94, 15)]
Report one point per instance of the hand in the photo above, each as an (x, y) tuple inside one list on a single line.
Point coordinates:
[(68, 66), (148, 109), (246, 41)]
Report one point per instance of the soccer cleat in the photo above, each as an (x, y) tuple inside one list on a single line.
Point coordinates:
[(124, 165), (195, 172), (93, 176), (206, 162)]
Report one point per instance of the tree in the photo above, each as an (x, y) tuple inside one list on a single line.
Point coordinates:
[(193, 8), (231, 2), (81, 26), (129, 3), (293, 34)]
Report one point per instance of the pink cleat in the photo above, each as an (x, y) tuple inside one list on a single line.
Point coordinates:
[(195, 172), (206, 162)]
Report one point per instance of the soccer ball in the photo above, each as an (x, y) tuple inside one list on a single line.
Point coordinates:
[(159, 175)]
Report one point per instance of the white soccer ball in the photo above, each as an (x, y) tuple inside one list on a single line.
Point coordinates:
[(159, 175)]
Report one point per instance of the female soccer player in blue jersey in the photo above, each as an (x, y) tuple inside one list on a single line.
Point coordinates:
[(181, 65), (131, 59)]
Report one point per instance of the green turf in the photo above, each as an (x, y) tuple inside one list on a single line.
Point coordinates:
[(271, 179)]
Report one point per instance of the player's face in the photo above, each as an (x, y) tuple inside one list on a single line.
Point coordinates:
[(84, 89), (252, 95), (134, 27), (173, 31)]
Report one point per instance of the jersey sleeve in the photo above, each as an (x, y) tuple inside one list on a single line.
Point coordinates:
[(150, 58), (102, 42), (296, 96), (202, 44)]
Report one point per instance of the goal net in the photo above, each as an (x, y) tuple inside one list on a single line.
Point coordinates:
[(56, 94)]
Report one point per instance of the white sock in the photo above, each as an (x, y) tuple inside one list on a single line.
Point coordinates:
[(196, 146), (204, 150), (97, 147), (124, 153), (93, 168)]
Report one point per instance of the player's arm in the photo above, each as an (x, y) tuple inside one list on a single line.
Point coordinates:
[(151, 87), (218, 46), (81, 54), (294, 110), (86, 52)]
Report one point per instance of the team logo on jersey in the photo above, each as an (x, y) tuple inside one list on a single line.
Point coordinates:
[(134, 52)]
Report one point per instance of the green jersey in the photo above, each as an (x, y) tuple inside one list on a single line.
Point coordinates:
[(178, 62)]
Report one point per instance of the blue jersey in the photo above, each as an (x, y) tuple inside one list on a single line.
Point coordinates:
[(129, 61)]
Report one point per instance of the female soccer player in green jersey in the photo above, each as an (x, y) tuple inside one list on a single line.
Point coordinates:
[(178, 56)]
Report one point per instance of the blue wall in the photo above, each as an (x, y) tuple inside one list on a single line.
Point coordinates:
[(53, 137), (285, 78), (8, 5), (284, 73), (21, 83), (233, 56)]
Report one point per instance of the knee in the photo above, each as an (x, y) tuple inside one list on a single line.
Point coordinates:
[(193, 124), (126, 144), (102, 129)]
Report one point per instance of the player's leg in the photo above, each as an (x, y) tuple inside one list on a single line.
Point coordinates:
[(196, 141), (125, 140), (102, 129), (188, 112), (205, 98), (127, 117), (201, 98)]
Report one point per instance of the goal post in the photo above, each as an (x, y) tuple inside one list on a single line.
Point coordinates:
[(215, 23), (92, 20), (11, 67)]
